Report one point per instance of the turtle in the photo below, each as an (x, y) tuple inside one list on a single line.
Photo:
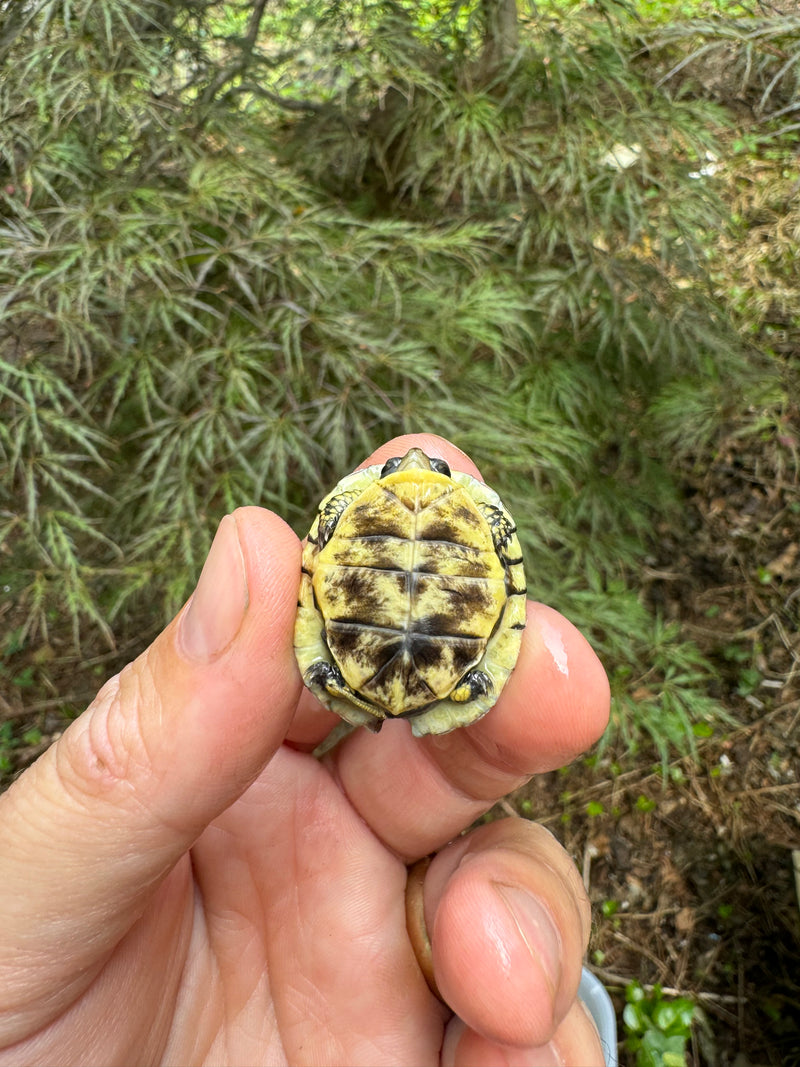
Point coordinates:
[(412, 597)]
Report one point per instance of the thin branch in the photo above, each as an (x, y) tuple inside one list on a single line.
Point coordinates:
[(288, 103), (246, 46), (614, 980)]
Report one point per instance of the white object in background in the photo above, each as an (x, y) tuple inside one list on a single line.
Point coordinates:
[(622, 156), (593, 994), (709, 170)]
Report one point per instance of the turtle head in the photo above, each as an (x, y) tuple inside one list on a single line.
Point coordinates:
[(415, 459)]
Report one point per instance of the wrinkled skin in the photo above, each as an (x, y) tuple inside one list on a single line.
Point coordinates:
[(182, 882)]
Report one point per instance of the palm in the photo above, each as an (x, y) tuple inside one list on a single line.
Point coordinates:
[(281, 937), (299, 934)]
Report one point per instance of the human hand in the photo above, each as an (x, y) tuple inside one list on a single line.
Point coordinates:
[(182, 882)]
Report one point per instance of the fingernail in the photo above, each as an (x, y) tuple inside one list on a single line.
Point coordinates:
[(537, 930), (218, 605)]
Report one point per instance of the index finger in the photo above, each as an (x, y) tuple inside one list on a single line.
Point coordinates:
[(418, 793)]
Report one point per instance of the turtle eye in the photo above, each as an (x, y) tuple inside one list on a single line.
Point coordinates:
[(440, 467), (391, 465)]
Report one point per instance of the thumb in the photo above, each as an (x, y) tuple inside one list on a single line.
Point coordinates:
[(95, 825)]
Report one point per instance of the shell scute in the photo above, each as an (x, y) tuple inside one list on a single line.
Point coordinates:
[(362, 595), (453, 604)]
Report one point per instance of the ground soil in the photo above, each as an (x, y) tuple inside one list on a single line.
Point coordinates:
[(690, 868)]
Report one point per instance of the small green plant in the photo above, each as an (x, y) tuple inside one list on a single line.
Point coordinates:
[(657, 1029), (7, 742), (25, 679), (11, 740), (749, 681)]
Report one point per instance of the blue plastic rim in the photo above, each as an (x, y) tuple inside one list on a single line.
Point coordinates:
[(598, 1003)]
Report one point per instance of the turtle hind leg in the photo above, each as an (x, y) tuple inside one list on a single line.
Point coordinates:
[(474, 695), (324, 678), (474, 684), (328, 685)]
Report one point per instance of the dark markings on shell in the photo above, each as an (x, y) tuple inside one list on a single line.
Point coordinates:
[(425, 627), (380, 522), (426, 651), (359, 586), (401, 667), (406, 585), (408, 659), (440, 554), (446, 531), (512, 588), (348, 638), (466, 598)]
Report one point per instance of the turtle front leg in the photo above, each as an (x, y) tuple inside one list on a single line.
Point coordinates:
[(335, 504), (507, 547)]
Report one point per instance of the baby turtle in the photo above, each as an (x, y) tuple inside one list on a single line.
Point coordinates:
[(412, 597)]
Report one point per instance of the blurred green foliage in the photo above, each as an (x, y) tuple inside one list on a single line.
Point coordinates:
[(242, 244)]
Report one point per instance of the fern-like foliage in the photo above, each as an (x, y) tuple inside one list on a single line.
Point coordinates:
[(241, 244)]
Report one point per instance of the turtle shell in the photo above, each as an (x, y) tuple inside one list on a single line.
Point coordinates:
[(412, 599)]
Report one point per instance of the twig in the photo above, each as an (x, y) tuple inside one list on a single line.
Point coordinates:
[(246, 47), (44, 705), (610, 978), (288, 103), (769, 789), (641, 949), (590, 852)]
